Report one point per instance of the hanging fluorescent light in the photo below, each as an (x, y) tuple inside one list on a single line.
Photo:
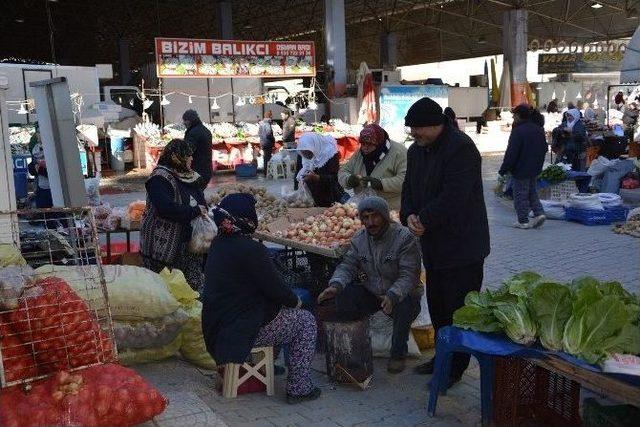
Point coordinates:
[(596, 5), (564, 96), (146, 104), (241, 102), (579, 95), (190, 99), (165, 101), (23, 110), (131, 102), (215, 105)]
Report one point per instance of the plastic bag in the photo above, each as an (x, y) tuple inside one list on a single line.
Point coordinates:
[(610, 200), (599, 166), (149, 333), (633, 213), (585, 201), (193, 348), (13, 280), (553, 209), (92, 188), (363, 194), (381, 330), (300, 198), (203, 231), (103, 395)]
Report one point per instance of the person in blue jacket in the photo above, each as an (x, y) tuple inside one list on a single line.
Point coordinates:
[(524, 158)]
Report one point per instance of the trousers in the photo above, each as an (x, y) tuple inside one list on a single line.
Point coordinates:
[(268, 152), (525, 199), (355, 303), (446, 289)]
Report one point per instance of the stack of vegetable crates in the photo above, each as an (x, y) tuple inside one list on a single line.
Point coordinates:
[(526, 394)]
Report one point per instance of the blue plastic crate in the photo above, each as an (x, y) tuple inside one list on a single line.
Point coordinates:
[(246, 170), (596, 217)]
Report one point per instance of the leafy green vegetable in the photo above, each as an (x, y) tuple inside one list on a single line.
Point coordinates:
[(476, 318), (516, 321), (523, 283), (551, 306), (628, 341), (593, 331), (480, 299)]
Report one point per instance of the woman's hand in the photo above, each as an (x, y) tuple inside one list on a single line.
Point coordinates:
[(311, 177), (203, 210)]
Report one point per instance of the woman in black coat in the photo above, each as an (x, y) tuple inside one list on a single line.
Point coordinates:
[(174, 199), (246, 304)]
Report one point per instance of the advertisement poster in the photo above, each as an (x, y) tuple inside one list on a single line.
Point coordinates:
[(229, 58), (396, 100), (586, 62)]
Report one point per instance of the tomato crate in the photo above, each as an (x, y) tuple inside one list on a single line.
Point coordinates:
[(526, 394), (54, 309)]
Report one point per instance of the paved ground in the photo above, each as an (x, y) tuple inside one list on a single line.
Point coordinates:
[(559, 250)]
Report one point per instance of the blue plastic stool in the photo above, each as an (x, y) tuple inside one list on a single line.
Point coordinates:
[(445, 347)]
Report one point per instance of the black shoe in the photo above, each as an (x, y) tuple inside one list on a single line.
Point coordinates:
[(278, 370), (312, 395), (426, 368)]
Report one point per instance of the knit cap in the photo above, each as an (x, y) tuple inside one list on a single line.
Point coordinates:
[(424, 112), (376, 204)]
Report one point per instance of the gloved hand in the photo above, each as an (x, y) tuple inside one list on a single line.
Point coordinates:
[(353, 181), (375, 183)]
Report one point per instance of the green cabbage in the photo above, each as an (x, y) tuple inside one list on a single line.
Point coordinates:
[(476, 318), (516, 321), (551, 306)]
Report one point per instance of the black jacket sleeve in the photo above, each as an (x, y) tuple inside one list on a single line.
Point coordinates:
[(329, 172), (406, 204), (161, 196), (513, 152), (267, 279), (460, 174), (289, 131)]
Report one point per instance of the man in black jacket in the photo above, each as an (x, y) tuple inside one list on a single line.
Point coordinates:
[(443, 204), (524, 158), (199, 137)]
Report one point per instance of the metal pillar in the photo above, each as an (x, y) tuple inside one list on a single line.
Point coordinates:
[(58, 133), (225, 20), (7, 189), (388, 50), (514, 46), (123, 56), (336, 47)]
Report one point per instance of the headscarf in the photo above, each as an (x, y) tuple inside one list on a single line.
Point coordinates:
[(575, 113), (590, 114), (452, 117), (372, 134), (323, 147), (236, 213), (174, 158)]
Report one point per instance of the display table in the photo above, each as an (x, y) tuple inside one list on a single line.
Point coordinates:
[(485, 346)]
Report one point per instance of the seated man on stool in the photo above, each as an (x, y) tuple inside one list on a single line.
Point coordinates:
[(380, 271)]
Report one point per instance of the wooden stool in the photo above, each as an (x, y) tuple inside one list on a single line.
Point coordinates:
[(231, 380)]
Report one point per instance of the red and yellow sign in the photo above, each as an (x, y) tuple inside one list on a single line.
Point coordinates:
[(230, 58)]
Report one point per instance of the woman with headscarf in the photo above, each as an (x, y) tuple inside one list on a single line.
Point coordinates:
[(174, 199), (380, 163), (246, 304), (574, 134), (320, 166)]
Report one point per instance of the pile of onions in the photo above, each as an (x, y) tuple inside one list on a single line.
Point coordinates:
[(334, 227)]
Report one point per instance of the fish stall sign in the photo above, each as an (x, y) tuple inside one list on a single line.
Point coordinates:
[(177, 57)]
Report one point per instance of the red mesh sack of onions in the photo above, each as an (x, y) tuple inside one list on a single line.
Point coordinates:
[(102, 395), (17, 358), (59, 325)]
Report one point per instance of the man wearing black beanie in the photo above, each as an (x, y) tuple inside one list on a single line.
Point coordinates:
[(443, 204)]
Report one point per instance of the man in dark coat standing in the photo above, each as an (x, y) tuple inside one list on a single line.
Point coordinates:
[(443, 204), (199, 137)]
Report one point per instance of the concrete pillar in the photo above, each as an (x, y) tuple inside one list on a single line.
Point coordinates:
[(123, 54), (225, 20), (514, 47), (388, 50), (336, 47)]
